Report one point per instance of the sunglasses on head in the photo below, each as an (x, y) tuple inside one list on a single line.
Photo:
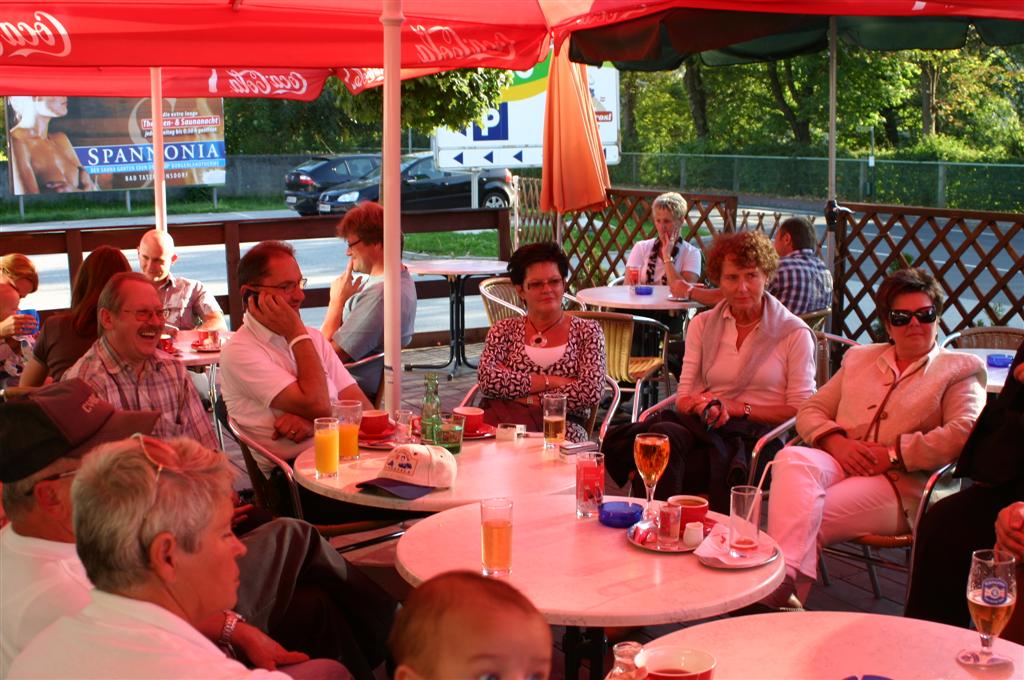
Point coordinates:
[(901, 317)]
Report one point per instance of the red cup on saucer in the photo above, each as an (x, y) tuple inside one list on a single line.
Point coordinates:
[(695, 508), (674, 663), (374, 421), (474, 418)]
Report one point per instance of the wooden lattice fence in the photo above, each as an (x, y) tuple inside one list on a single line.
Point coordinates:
[(976, 257)]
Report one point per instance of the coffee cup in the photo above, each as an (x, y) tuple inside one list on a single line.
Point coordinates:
[(676, 663), (474, 417), (374, 422), (695, 508)]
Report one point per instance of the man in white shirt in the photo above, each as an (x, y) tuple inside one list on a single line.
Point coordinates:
[(278, 375), (190, 304)]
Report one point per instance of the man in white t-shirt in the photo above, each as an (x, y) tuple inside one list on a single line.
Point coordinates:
[(278, 375)]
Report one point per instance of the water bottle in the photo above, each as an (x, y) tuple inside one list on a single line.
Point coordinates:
[(430, 411), (625, 667)]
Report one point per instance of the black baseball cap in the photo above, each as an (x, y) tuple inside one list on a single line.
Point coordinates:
[(62, 420)]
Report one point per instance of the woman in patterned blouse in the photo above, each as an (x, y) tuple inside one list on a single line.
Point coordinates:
[(545, 352)]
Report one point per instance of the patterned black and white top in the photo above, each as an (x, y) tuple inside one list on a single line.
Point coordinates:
[(505, 369)]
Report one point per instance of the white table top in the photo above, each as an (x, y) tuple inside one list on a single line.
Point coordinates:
[(623, 297), (189, 357), (487, 469), (457, 267), (996, 376), (794, 645), (582, 573)]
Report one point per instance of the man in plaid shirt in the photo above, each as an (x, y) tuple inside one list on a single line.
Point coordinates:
[(125, 368), (803, 283)]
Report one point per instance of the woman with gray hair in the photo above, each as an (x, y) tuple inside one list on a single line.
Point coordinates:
[(152, 524), (668, 257)]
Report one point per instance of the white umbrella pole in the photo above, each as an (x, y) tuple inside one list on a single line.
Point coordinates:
[(391, 17), (832, 107), (156, 105)]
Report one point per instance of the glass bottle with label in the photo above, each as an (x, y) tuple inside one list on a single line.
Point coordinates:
[(430, 411)]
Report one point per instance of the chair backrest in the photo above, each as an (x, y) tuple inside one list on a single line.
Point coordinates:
[(817, 319), (500, 299), (986, 337), (827, 345), (267, 494), (375, 398), (618, 340)]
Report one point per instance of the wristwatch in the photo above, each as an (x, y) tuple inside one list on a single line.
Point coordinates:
[(746, 410), (231, 619), (894, 460)]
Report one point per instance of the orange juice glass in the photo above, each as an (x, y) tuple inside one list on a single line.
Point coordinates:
[(349, 414), (325, 447)]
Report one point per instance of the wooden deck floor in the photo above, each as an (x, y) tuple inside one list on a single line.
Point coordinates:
[(850, 588)]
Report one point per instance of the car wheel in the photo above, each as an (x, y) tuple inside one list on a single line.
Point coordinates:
[(495, 199)]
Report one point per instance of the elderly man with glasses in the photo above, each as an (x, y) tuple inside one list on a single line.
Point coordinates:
[(278, 375), (354, 322), (125, 367)]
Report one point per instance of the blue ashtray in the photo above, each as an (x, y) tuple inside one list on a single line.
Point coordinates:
[(643, 290), (999, 360), (619, 514)]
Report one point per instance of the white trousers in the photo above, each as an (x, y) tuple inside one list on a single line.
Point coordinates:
[(813, 503)]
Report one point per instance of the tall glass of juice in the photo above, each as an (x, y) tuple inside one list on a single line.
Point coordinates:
[(349, 414), (325, 447)]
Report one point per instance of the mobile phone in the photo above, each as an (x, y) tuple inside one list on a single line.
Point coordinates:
[(250, 295)]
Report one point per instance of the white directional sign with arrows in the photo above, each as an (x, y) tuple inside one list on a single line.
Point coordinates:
[(512, 135)]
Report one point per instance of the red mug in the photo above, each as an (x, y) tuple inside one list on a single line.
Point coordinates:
[(374, 421), (695, 508), (676, 663), (167, 343), (474, 418)]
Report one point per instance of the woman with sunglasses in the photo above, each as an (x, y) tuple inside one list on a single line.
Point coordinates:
[(545, 352), (893, 414)]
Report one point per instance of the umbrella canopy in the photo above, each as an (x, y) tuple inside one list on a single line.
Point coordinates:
[(575, 175)]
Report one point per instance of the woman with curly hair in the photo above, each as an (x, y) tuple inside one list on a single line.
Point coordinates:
[(748, 366)]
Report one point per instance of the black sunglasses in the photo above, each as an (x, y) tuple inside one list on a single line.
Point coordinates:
[(901, 317)]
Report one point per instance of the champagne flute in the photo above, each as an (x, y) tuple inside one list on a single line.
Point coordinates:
[(991, 594), (650, 452)]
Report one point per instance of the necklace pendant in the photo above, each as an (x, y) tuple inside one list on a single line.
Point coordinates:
[(538, 340)]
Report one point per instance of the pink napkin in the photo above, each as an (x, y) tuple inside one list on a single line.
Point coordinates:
[(716, 545)]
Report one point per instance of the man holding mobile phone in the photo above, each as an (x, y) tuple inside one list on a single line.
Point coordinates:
[(277, 374)]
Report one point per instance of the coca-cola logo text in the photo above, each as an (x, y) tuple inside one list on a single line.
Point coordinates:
[(44, 34), (253, 82), (442, 43)]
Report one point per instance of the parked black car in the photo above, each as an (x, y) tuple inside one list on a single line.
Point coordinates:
[(424, 187), (304, 184)]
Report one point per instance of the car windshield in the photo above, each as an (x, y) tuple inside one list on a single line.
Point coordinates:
[(376, 172)]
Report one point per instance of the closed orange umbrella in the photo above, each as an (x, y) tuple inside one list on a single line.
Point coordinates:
[(574, 175)]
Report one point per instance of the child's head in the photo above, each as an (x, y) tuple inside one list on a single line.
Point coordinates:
[(462, 625)]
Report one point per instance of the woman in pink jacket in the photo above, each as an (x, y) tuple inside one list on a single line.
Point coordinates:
[(893, 414)]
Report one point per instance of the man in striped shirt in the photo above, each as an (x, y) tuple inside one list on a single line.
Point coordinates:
[(803, 283), (126, 369)]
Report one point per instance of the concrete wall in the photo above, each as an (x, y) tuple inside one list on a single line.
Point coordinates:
[(246, 176)]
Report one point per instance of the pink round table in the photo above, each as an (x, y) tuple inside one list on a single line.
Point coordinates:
[(623, 297), (795, 645)]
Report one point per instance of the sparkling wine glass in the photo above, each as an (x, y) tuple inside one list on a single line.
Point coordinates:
[(650, 452), (991, 594)]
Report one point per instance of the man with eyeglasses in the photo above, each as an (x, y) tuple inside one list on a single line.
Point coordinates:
[(189, 304), (277, 374), (125, 367), (354, 323)]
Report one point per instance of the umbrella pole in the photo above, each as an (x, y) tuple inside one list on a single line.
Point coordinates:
[(391, 17), (156, 107), (832, 107)]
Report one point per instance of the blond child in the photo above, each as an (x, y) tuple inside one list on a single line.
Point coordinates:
[(462, 625)]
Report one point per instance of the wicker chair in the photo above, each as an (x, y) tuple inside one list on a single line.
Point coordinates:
[(610, 384), (986, 337), (817, 319), (624, 367), (502, 302), (282, 499)]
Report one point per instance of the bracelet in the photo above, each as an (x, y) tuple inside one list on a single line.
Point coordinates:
[(298, 339), (547, 383)]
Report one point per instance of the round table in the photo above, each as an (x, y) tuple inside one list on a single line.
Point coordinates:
[(487, 469), (623, 297), (996, 376), (456, 271), (582, 574), (836, 645)]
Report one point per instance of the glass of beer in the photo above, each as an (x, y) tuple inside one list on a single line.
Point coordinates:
[(496, 536), (744, 520), (650, 452), (991, 594), (349, 413), (554, 419), (325, 447)]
